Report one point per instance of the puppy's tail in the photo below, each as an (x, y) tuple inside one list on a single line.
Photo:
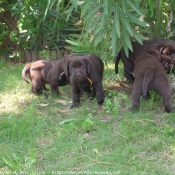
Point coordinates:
[(148, 76), (25, 71), (117, 61)]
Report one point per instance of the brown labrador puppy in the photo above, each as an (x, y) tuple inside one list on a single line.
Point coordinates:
[(38, 73), (164, 46), (150, 75), (85, 73)]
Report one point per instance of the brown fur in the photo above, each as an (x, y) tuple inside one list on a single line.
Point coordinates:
[(85, 73), (150, 75), (164, 46), (38, 74)]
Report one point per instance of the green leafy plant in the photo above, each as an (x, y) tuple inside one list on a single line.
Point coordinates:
[(89, 123), (113, 24), (100, 27), (14, 162), (111, 93), (85, 124), (42, 24), (112, 105), (3, 32), (159, 15)]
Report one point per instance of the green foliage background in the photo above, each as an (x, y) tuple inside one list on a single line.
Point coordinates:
[(102, 27)]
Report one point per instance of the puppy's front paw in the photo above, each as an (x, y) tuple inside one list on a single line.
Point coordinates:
[(132, 109), (74, 105)]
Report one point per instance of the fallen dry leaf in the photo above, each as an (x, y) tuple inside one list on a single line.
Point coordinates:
[(43, 105), (64, 110), (63, 102)]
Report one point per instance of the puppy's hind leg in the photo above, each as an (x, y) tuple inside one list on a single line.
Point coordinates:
[(136, 93), (166, 95), (128, 71)]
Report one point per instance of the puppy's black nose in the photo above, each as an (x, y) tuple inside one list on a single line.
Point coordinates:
[(78, 73)]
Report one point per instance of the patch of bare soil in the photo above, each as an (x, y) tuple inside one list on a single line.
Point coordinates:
[(122, 86)]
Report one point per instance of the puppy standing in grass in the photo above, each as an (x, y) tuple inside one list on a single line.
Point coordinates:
[(85, 73), (41, 73), (150, 75)]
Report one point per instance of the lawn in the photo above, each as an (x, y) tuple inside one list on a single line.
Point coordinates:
[(42, 135)]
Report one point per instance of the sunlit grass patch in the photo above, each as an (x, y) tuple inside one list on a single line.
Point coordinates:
[(15, 96)]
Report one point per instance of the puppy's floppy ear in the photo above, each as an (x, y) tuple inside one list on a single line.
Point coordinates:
[(88, 66), (155, 53), (66, 66), (164, 49), (166, 52)]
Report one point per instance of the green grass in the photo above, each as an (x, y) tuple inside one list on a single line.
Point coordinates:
[(40, 135)]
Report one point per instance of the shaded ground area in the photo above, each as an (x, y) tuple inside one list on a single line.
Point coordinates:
[(122, 86)]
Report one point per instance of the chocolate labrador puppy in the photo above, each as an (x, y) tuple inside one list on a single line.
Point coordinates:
[(85, 73), (164, 46), (150, 75), (38, 74)]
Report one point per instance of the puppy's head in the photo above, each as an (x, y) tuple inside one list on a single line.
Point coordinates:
[(167, 51), (77, 68)]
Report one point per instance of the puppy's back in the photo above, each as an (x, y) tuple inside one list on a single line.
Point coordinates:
[(97, 63)]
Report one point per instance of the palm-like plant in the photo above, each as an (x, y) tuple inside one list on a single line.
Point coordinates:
[(109, 25), (102, 27), (159, 16)]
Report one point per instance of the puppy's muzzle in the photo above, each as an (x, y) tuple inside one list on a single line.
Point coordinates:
[(79, 75)]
